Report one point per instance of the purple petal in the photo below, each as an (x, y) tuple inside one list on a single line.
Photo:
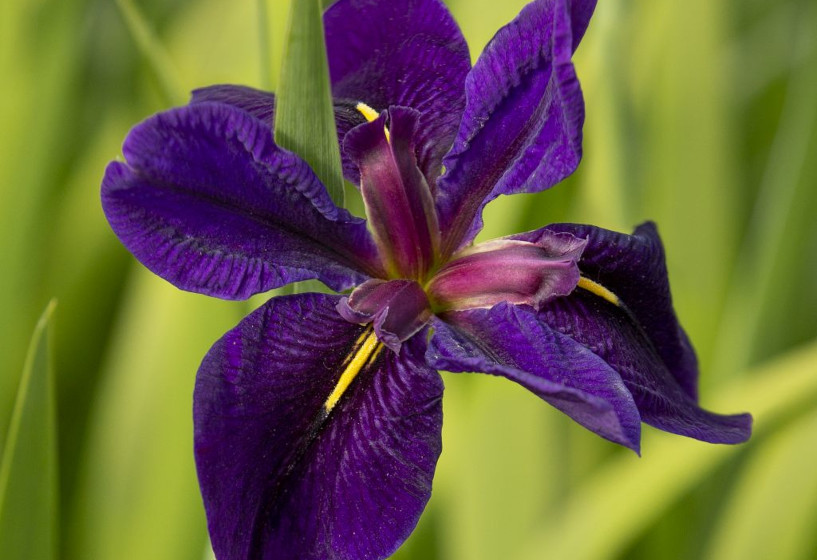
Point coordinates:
[(633, 267), (614, 335), (512, 342), (401, 52), (282, 479), (207, 201), (507, 270), (261, 105), (522, 126), (398, 201), (398, 309)]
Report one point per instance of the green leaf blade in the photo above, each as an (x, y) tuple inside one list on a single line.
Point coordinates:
[(304, 116), (28, 471)]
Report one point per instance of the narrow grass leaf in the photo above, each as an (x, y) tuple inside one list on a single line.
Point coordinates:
[(304, 117), (154, 53), (36, 113), (28, 471)]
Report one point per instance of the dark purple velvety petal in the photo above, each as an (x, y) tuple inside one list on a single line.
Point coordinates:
[(512, 342), (522, 126), (401, 52), (207, 201), (633, 267), (261, 105), (281, 478), (398, 201), (614, 335)]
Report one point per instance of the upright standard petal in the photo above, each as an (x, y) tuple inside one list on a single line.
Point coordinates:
[(609, 331), (290, 469), (633, 267), (510, 341), (401, 52), (522, 126), (207, 201)]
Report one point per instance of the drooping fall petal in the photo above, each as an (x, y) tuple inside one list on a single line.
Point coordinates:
[(510, 341), (207, 201), (283, 475), (615, 336), (633, 267)]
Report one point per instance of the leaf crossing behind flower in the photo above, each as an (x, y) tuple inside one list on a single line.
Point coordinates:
[(304, 117), (28, 471)]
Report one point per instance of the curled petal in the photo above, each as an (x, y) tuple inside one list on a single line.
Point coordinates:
[(633, 267), (508, 270), (282, 477), (614, 334), (207, 201), (510, 341), (522, 126), (401, 52)]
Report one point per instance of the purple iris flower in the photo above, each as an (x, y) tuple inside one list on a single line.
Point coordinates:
[(318, 418)]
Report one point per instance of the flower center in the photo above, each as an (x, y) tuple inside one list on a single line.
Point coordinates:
[(400, 209), (397, 308)]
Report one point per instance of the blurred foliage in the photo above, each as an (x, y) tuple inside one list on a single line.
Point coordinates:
[(701, 115), (28, 468)]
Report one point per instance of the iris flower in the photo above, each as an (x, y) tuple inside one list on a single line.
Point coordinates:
[(318, 418)]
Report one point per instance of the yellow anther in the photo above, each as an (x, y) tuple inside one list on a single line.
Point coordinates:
[(599, 290), (371, 115), (364, 352), (366, 111)]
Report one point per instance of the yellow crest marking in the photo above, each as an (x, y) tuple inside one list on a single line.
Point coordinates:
[(364, 352), (599, 290), (371, 115)]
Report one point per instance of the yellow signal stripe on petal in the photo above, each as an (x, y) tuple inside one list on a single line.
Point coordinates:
[(365, 350), (599, 290)]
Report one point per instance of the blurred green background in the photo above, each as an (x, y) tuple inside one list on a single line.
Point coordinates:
[(701, 115)]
